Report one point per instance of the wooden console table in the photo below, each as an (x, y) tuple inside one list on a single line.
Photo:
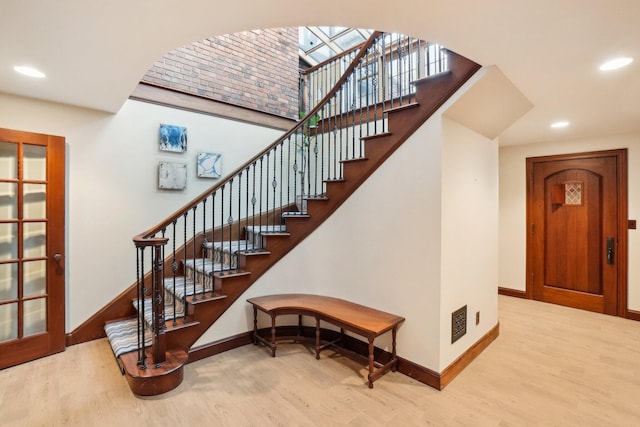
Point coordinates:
[(361, 320)]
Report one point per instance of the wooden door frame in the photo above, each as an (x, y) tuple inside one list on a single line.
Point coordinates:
[(56, 300), (622, 209)]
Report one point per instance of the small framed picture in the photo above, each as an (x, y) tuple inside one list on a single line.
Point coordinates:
[(173, 138), (172, 176), (209, 165)]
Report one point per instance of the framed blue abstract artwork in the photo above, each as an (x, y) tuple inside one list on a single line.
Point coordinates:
[(209, 165), (173, 138)]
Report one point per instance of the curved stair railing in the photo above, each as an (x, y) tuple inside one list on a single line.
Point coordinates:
[(234, 215)]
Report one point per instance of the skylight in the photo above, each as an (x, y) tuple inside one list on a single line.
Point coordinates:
[(317, 44)]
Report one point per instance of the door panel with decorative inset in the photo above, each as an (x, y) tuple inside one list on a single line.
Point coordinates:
[(573, 213)]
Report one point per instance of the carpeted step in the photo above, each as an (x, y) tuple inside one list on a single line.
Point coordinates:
[(182, 287), (169, 313), (123, 336), (226, 252), (200, 270), (254, 233)]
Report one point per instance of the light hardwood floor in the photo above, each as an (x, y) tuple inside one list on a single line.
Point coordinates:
[(550, 366)]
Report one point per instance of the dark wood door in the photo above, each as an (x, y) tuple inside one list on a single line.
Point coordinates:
[(574, 249), (32, 294)]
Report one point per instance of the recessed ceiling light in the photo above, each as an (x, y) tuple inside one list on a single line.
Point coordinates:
[(616, 63), (29, 71), (560, 124)]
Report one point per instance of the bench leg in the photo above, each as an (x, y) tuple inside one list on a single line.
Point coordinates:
[(371, 363), (255, 325), (393, 350), (317, 338), (273, 335)]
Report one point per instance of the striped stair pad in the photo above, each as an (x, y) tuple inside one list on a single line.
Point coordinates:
[(225, 252), (254, 233), (123, 336), (199, 270)]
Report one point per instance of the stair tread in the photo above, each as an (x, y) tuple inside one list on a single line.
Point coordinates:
[(266, 229), (123, 336), (184, 287), (169, 313), (232, 245)]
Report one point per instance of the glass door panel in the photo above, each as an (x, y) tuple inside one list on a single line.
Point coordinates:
[(9, 281), (34, 201), (8, 241), (34, 242), (34, 281), (35, 316), (8, 200), (8, 160), (34, 162), (8, 321)]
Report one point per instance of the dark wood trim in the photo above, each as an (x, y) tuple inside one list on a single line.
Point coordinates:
[(512, 292), (419, 373), (220, 346), (440, 380), (623, 232), (358, 348), (633, 315), (146, 92), (468, 356), (623, 214)]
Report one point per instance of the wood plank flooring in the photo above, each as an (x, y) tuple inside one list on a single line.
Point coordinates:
[(550, 366)]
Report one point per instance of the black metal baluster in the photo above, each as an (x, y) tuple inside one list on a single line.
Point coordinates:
[(212, 255), (383, 78), (230, 223), (140, 317), (274, 183), (289, 172), (253, 196), (260, 190), (246, 204), (240, 214), (315, 170), (278, 220), (219, 255), (203, 247), (174, 269), (266, 188), (193, 251), (362, 107)]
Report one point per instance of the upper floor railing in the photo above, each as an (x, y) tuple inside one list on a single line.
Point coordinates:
[(345, 101)]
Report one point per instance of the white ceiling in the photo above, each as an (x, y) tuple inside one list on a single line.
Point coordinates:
[(94, 53)]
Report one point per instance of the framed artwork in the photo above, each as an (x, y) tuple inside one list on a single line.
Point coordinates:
[(209, 165), (172, 176), (173, 138)]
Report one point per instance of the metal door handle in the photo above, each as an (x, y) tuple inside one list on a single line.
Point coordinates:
[(57, 257), (610, 250)]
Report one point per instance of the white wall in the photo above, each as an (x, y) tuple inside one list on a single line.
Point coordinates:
[(418, 239), (469, 230), (112, 182), (513, 205)]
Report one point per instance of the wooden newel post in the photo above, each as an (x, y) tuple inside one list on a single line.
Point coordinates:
[(157, 294)]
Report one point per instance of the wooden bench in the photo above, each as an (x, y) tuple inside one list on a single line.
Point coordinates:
[(361, 320)]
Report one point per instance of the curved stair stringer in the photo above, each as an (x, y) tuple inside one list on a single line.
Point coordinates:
[(403, 121)]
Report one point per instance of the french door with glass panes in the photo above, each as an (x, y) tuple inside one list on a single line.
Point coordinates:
[(32, 199)]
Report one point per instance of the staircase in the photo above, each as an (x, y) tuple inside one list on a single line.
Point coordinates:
[(204, 256)]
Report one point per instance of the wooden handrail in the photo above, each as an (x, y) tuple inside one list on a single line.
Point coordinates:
[(147, 238), (332, 59)]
